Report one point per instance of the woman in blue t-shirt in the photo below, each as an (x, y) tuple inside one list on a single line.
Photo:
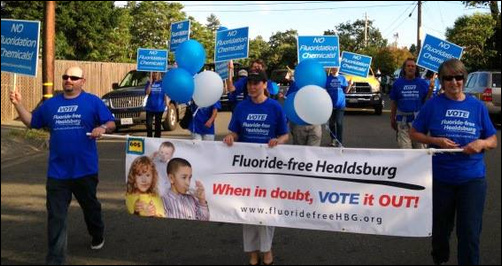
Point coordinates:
[(449, 121), (258, 119), (155, 104)]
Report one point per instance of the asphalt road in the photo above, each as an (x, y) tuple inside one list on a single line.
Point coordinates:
[(135, 240)]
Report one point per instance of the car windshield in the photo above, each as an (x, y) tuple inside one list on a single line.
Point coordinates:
[(134, 79)]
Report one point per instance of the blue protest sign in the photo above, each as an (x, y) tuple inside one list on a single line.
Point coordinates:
[(435, 51), (231, 44), (153, 60), (20, 41), (325, 49), (355, 64), (222, 69), (180, 32)]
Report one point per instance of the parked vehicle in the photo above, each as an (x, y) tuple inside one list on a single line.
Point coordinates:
[(281, 77), (364, 93), (485, 85), (127, 102)]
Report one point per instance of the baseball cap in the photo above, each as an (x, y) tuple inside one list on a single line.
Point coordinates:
[(258, 76), (242, 73)]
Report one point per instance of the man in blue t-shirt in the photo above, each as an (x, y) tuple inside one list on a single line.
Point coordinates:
[(310, 135), (336, 86), (454, 120), (407, 96), (73, 157)]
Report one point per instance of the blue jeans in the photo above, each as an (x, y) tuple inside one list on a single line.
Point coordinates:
[(336, 124), (59, 195), (466, 201)]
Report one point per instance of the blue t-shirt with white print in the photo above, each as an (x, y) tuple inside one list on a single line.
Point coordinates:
[(409, 95), (72, 153), (462, 122), (156, 102), (200, 117), (336, 86), (258, 123)]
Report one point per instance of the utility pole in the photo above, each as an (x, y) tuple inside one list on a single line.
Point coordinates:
[(365, 29), (48, 52), (396, 38), (419, 27)]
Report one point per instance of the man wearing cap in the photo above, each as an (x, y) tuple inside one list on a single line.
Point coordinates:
[(271, 129)]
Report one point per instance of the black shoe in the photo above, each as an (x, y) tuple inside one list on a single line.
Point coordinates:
[(97, 243)]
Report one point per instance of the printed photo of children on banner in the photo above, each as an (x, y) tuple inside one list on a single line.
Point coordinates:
[(383, 192)]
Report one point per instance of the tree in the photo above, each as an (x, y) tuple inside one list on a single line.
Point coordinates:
[(282, 51), (83, 29), (205, 36), (213, 23), (152, 23), (413, 50), (473, 33), (388, 59), (351, 36), (258, 49), (494, 41)]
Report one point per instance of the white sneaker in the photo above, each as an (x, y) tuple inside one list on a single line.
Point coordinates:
[(97, 243)]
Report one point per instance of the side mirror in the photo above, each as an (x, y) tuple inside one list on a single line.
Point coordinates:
[(115, 86)]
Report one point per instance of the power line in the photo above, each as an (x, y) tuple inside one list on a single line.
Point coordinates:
[(261, 4), (404, 12), (294, 9)]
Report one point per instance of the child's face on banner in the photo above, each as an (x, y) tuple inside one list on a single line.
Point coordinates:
[(144, 180), (181, 179), (165, 154)]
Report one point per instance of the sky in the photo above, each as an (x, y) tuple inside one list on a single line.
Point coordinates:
[(314, 17), (392, 18)]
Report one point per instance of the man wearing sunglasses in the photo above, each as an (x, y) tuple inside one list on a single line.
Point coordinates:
[(73, 157), (408, 95)]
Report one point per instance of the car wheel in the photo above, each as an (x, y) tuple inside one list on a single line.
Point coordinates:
[(171, 120)]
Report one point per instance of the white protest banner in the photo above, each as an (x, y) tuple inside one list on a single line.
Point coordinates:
[(383, 192)]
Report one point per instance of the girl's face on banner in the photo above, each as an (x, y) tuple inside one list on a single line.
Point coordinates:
[(144, 179)]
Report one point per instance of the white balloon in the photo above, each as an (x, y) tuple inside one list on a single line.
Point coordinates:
[(208, 88), (313, 104)]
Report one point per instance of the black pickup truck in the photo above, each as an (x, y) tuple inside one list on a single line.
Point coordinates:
[(127, 102)]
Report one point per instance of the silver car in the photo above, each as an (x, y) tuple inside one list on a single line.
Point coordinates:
[(485, 85)]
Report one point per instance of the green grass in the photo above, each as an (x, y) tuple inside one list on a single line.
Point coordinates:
[(30, 134)]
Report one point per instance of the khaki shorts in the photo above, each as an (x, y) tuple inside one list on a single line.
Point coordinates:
[(403, 137)]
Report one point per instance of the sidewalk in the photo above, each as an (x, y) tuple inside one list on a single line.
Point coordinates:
[(18, 142)]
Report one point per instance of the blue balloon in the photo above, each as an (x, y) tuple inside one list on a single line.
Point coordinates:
[(310, 72), (191, 56), (178, 85), (275, 89), (289, 109)]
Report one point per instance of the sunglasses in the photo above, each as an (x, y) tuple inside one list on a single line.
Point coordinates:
[(450, 78), (73, 78)]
